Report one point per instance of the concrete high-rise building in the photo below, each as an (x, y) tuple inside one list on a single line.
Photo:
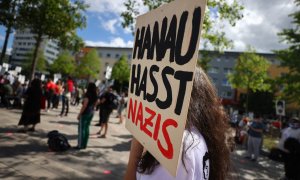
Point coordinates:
[(24, 43)]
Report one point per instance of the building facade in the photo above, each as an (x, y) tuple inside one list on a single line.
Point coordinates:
[(24, 43), (220, 66)]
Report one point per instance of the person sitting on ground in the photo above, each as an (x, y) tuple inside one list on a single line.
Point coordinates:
[(205, 153)]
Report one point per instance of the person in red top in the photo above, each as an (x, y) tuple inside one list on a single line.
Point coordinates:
[(66, 96), (50, 88), (70, 84)]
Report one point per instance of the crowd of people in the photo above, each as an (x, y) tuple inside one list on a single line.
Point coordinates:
[(38, 95), (250, 134)]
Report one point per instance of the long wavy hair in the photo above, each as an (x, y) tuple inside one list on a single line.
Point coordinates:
[(207, 115), (91, 93)]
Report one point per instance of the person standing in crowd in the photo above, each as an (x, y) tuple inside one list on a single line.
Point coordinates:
[(66, 95), (122, 103), (106, 108), (290, 137), (50, 88), (31, 110), (205, 154), (18, 93), (57, 94), (7, 93), (85, 115), (255, 134)]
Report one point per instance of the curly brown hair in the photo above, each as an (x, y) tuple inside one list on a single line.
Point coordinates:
[(207, 115)]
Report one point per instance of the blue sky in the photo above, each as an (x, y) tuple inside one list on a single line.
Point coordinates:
[(259, 27)]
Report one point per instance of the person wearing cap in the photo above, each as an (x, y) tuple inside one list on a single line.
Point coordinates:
[(289, 147)]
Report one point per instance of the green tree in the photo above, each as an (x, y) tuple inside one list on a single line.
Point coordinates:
[(290, 58), (8, 17), (89, 66), (53, 19), (64, 64), (41, 65), (219, 11), (121, 71), (250, 73)]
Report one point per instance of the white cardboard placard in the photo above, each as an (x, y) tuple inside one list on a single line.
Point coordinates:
[(165, 54)]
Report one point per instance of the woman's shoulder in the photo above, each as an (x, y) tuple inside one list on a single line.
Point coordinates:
[(194, 139)]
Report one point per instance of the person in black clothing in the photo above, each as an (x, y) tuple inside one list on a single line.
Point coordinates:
[(106, 109), (31, 110)]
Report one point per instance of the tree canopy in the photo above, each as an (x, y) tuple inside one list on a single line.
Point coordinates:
[(121, 70), (53, 19), (8, 18), (64, 64), (290, 58), (218, 11), (41, 65), (88, 66), (250, 73)]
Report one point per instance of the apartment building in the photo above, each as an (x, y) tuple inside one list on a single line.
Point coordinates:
[(220, 65), (24, 43)]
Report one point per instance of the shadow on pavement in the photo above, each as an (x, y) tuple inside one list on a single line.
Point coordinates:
[(33, 146), (65, 122), (124, 146), (264, 168), (123, 136)]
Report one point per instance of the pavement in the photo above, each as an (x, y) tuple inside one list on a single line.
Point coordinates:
[(26, 156)]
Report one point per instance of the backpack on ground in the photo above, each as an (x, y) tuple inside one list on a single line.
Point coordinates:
[(57, 142)]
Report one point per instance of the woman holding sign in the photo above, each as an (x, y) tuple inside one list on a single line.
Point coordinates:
[(205, 153)]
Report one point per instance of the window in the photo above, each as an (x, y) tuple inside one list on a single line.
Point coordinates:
[(225, 83), (108, 55), (213, 70), (227, 70), (215, 80), (129, 56), (117, 55), (226, 94)]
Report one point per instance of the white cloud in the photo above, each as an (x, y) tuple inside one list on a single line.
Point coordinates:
[(101, 6), (115, 42), (262, 21), (110, 25)]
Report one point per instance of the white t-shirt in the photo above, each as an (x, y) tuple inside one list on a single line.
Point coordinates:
[(196, 161), (288, 133)]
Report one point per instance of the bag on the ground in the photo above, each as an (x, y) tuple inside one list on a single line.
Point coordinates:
[(57, 142)]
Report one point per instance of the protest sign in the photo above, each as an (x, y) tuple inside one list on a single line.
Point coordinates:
[(56, 77), (18, 69), (5, 66), (163, 62), (280, 107), (43, 77)]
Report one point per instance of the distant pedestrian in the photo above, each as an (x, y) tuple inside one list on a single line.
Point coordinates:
[(106, 108), (85, 115), (50, 88), (31, 110), (288, 149), (122, 103), (255, 134)]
